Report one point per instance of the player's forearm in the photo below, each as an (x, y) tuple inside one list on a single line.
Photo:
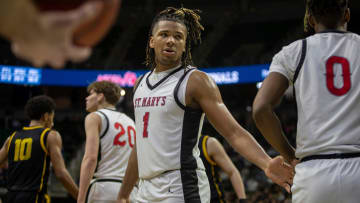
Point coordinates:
[(68, 183), (244, 143), (269, 125), (86, 174), (131, 176), (238, 185)]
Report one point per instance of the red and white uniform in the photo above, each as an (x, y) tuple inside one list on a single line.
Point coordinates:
[(117, 138), (328, 102), (167, 137)]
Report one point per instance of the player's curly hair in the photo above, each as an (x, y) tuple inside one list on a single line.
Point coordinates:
[(188, 17), (111, 91), (37, 106), (328, 12)]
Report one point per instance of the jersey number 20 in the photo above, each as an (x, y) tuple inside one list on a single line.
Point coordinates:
[(345, 66), (130, 132)]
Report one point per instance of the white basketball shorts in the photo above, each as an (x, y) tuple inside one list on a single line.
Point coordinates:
[(105, 190), (175, 186), (327, 181)]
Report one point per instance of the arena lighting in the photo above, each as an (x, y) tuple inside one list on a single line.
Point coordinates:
[(81, 78), (122, 92)]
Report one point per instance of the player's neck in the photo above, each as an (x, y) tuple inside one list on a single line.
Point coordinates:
[(321, 28), (106, 106), (36, 123), (161, 68)]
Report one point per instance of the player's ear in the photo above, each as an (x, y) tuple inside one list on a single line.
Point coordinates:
[(311, 20), (347, 15), (151, 42), (45, 117), (100, 97)]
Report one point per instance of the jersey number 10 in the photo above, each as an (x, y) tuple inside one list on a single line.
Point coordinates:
[(23, 149)]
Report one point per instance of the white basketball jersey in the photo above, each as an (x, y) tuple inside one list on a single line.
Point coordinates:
[(117, 138), (327, 92), (168, 132)]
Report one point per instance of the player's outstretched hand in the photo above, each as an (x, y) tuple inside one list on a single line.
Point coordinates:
[(280, 172), (49, 40)]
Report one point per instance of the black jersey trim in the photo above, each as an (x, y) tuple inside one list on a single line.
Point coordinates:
[(151, 87), (107, 124), (331, 156), (301, 63), (101, 136), (191, 127), (138, 83), (177, 87), (302, 59), (98, 157)]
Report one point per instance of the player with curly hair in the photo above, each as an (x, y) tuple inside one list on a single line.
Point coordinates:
[(170, 104)]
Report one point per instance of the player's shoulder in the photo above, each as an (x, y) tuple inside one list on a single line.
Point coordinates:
[(53, 137), (293, 47), (198, 75), (353, 36), (95, 115), (200, 83), (53, 132), (93, 119), (212, 141)]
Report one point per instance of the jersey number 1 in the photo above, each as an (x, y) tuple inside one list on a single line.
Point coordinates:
[(345, 66), (146, 123)]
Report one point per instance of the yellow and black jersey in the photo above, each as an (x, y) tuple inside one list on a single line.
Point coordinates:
[(212, 172), (28, 160)]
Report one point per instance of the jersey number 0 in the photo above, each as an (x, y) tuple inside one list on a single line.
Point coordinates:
[(345, 66)]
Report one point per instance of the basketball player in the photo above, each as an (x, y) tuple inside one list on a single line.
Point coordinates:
[(215, 158), (29, 152), (110, 137), (44, 38), (324, 71), (170, 103)]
